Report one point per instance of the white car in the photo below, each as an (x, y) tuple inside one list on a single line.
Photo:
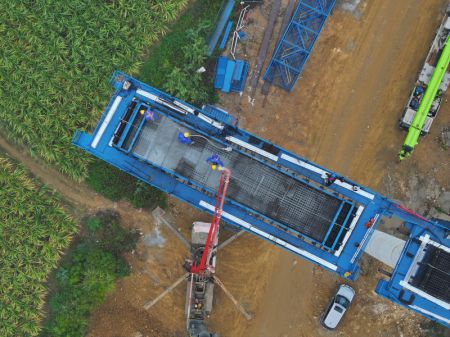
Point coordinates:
[(338, 306)]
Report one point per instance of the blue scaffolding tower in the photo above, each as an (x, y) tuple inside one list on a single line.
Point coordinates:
[(273, 194), (297, 42)]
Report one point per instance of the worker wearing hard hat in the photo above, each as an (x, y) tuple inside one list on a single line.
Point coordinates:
[(149, 115), (185, 138), (215, 161), (330, 178)]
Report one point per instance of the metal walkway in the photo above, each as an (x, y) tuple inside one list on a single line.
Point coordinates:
[(297, 42)]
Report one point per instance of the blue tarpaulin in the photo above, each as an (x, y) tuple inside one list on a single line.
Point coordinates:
[(226, 35), (220, 26), (230, 75)]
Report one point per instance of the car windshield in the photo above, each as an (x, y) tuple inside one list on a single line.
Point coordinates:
[(338, 308), (342, 301)]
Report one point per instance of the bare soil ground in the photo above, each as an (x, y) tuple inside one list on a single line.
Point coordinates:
[(342, 114)]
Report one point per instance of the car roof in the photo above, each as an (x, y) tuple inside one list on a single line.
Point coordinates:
[(333, 317)]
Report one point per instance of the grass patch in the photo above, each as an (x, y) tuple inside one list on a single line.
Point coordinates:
[(440, 210), (56, 58), (34, 231), (116, 185), (87, 275), (432, 329)]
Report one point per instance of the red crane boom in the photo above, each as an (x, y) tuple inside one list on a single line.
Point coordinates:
[(205, 261)]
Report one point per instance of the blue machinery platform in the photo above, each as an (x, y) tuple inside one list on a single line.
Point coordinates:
[(421, 279), (273, 193)]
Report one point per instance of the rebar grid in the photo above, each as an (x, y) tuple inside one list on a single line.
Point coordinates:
[(255, 185), (433, 275)]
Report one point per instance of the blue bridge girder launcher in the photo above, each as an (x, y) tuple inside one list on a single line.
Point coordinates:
[(273, 193)]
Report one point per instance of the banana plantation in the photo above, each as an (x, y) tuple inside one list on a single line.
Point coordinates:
[(55, 56), (35, 230)]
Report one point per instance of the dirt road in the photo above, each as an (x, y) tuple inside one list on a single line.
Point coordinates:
[(77, 194), (342, 114)]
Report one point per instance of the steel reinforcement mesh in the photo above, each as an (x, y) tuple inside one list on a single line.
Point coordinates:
[(433, 275), (253, 184)]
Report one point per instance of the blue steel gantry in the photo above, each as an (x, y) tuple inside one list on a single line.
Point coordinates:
[(420, 280), (273, 193), (297, 42)]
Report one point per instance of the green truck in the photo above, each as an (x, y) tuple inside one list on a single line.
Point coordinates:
[(426, 97)]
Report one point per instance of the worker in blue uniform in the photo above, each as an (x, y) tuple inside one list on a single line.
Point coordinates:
[(215, 161), (330, 178), (149, 115), (185, 138), (419, 91)]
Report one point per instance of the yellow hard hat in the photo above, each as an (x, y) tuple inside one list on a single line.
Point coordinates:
[(142, 111), (213, 166), (187, 134)]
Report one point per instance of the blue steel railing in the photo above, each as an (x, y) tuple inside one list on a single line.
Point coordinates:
[(293, 49)]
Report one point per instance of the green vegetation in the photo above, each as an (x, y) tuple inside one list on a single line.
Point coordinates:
[(432, 329), (115, 185), (440, 209), (185, 82), (56, 56), (172, 64), (34, 231), (88, 274)]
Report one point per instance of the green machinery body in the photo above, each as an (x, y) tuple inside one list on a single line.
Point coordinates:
[(415, 129)]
